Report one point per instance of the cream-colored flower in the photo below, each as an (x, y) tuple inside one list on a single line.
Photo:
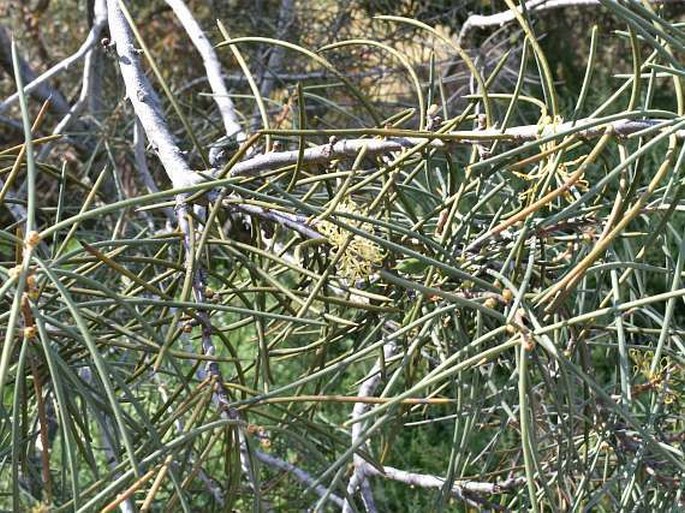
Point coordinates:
[(361, 255)]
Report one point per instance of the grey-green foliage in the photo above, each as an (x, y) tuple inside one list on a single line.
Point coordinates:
[(549, 351)]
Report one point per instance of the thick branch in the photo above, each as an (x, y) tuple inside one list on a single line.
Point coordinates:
[(146, 102), (321, 154)]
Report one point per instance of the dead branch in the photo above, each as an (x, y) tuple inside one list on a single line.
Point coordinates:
[(275, 62), (212, 68), (349, 148), (42, 91), (146, 102), (298, 473), (38, 83), (478, 21)]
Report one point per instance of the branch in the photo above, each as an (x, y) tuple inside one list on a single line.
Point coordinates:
[(41, 91), (322, 154), (107, 441), (350, 148), (142, 167), (362, 469), (298, 473), (367, 388), (216, 491), (212, 369), (99, 22), (146, 102), (212, 68), (58, 100), (295, 222), (12, 124), (275, 62), (13, 204), (458, 488), (478, 21), (220, 395), (378, 72)]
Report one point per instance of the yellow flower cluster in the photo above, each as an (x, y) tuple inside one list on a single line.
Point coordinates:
[(664, 377), (360, 254)]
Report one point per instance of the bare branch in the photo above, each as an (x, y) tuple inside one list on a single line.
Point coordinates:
[(212, 67), (42, 91), (146, 102), (363, 470), (11, 203), (294, 222), (99, 21), (478, 21), (142, 167), (275, 62), (63, 65), (212, 369), (298, 473), (376, 72), (322, 154), (350, 148), (430, 481), (367, 388), (216, 491), (107, 441)]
